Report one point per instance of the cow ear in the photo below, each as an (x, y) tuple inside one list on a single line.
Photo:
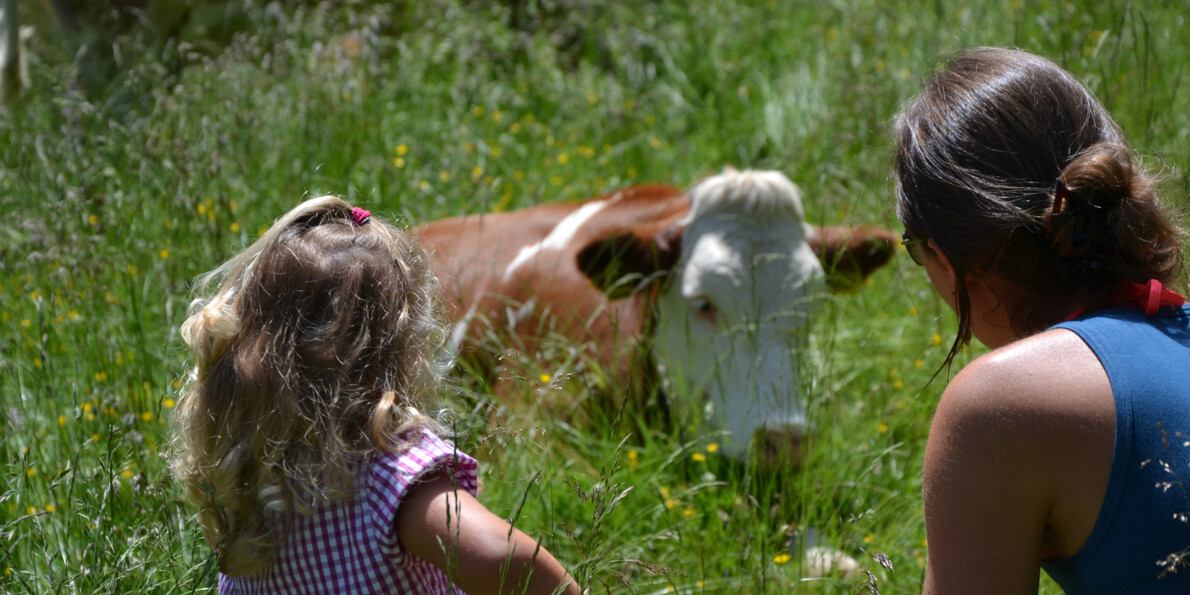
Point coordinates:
[(626, 262), (849, 255)]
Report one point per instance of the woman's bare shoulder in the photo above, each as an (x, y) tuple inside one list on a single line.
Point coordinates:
[(1046, 378)]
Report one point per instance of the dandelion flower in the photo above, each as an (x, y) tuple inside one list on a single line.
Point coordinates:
[(936, 340), (31, 472), (126, 474), (402, 149), (62, 420), (672, 502), (869, 538), (147, 416), (164, 254), (698, 456), (398, 162), (712, 447), (882, 428), (234, 227), (689, 512), (781, 558), (168, 403), (545, 378)]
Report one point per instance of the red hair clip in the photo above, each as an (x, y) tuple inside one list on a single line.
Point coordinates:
[(1059, 197), (360, 216)]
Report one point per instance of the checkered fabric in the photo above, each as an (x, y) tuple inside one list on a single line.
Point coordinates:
[(352, 547)]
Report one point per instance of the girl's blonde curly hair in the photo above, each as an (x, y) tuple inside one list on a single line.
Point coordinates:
[(319, 347)]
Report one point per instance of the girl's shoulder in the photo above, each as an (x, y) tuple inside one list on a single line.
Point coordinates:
[(421, 454)]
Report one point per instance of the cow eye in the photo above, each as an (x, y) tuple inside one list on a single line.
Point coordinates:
[(704, 309)]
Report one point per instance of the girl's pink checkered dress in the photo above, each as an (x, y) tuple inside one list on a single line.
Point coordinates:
[(353, 548)]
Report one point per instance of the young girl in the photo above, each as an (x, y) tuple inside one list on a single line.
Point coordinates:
[(1064, 448), (299, 434)]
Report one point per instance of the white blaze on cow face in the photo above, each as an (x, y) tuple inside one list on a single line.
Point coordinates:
[(730, 321)]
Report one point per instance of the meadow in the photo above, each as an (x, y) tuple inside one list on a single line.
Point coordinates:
[(114, 199)]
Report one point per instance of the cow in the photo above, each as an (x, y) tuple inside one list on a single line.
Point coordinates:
[(700, 297)]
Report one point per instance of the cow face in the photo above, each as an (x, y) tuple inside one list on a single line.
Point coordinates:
[(730, 321), (730, 317)]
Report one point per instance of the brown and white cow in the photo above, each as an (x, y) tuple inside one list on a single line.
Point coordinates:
[(707, 291)]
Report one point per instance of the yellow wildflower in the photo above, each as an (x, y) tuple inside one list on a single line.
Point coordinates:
[(781, 558)]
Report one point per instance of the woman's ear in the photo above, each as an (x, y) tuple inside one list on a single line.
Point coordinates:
[(940, 256)]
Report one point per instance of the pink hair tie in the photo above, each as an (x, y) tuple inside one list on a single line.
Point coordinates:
[(360, 216)]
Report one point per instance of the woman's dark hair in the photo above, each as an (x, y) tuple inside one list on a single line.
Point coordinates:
[(981, 153)]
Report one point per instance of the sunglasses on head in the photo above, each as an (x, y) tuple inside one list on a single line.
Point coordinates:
[(914, 246)]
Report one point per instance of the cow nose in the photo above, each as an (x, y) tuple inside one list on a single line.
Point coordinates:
[(780, 447)]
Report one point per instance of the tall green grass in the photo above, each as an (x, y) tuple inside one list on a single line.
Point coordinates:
[(113, 201)]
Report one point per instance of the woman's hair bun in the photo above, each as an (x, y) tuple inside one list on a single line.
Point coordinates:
[(1099, 177), (1085, 196)]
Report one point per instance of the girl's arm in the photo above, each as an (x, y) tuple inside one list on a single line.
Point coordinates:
[(478, 550), (1016, 465)]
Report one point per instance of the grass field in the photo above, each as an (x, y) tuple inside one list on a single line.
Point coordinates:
[(113, 201)]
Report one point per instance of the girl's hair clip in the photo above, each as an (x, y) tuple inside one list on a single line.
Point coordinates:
[(360, 216)]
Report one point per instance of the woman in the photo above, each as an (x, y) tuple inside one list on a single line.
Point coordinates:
[(1036, 225)]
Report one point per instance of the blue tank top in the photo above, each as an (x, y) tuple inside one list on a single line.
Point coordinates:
[(1145, 515)]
